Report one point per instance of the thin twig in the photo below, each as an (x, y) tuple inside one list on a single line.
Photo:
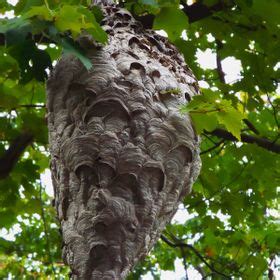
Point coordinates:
[(226, 185), (184, 262), (274, 111), (213, 147), (48, 247), (209, 138), (184, 245)]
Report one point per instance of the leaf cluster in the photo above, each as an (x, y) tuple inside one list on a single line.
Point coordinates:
[(231, 217)]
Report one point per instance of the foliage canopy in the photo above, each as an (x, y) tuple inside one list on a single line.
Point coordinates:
[(232, 227)]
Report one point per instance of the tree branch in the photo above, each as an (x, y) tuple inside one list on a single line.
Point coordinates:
[(195, 12), (184, 245), (198, 10), (12, 155), (221, 73), (246, 138), (251, 126)]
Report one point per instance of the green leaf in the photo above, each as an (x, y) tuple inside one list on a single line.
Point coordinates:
[(35, 123), (8, 217), (269, 10), (15, 30), (6, 246), (94, 28), (41, 12), (169, 3), (76, 19), (70, 47), (172, 20), (7, 101), (5, 6), (68, 18), (97, 13), (149, 2), (25, 5), (31, 60), (204, 122), (208, 109), (231, 119)]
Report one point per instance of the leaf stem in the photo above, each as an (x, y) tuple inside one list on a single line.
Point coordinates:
[(206, 111), (48, 7)]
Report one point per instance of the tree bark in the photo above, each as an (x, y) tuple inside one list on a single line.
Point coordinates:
[(122, 156)]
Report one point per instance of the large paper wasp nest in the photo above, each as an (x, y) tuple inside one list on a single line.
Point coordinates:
[(123, 157)]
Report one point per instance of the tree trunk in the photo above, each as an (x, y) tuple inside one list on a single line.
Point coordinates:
[(122, 155)]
